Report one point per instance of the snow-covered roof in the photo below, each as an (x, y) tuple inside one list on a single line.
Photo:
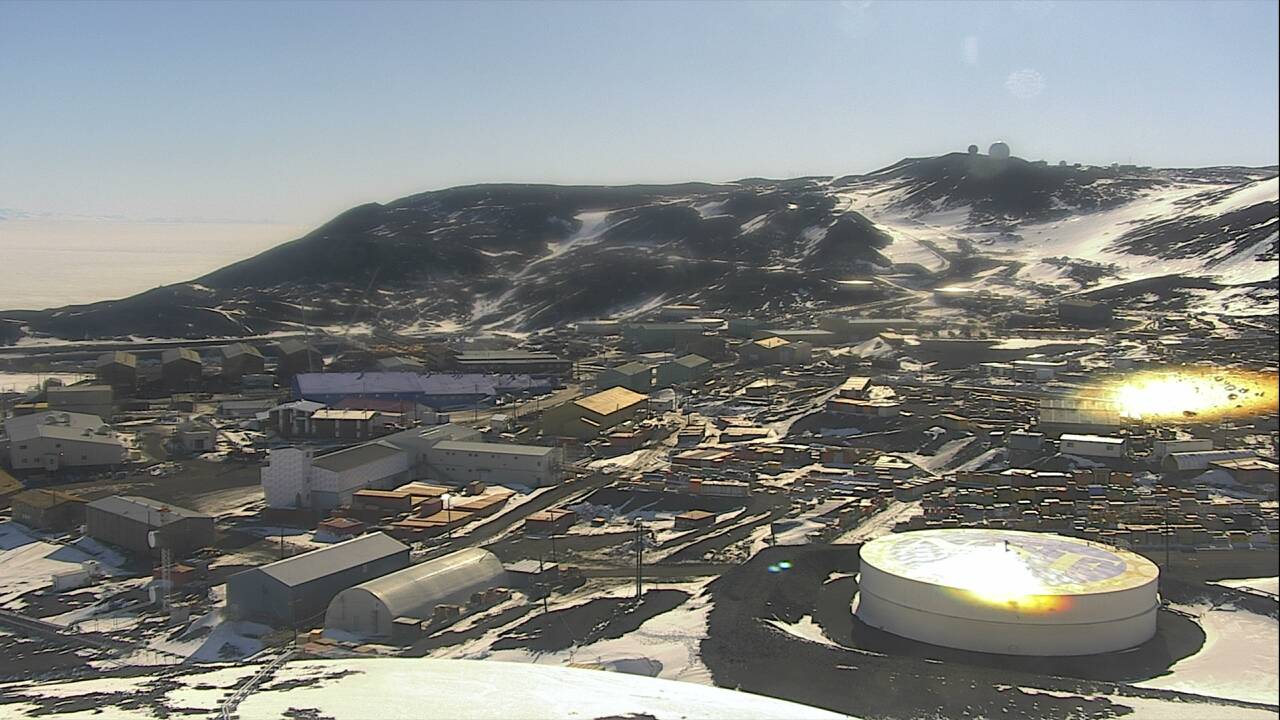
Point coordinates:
[(1101, 439), (483, 447), (301, 569), (81, 427), (369, 608)]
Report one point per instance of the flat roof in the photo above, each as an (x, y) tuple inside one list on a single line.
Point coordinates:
[(667, 326), (46, 498), (1103, 439), (1245, 464), (549, 515), (334, 414), (503, 448), (60, 425), (1045, 563), (146, 510), (691, 360), (771, 342), (60, 389), (634, 367), (607, 402), (856, 383), (354, 457), (491, 355)]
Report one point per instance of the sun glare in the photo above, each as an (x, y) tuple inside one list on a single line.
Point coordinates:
[(1194, 394), (997, 575)]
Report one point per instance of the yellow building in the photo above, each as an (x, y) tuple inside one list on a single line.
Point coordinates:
[(587, 417)]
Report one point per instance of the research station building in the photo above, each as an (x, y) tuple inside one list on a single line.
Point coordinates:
[(371, 608), (127, 521), (297, 590), (587, 417), (53, 440)]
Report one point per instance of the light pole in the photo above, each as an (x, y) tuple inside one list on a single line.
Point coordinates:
[(448, 519)]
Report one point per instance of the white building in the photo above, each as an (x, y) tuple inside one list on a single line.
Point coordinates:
[(528, 465), (1189, 461), (1162, 448), (1038, 370), (445, 453), (1104, 446), (371, 608), (293, 478), (53, 440)]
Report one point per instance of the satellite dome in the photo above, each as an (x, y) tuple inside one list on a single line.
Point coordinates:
[(973, 149), (999, 149)]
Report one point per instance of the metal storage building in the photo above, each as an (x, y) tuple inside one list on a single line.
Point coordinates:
[(587, 417), (126, 521), (180, 369), (239, 359), (370, 608), (91, 399), (46, 509), (1093, 446), (634, 376), (1200, 460), (685, 369), (462, 462), (662, 335), (511, 361), (117, 369), (297, 589)]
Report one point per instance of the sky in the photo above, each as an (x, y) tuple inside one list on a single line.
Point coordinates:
[(291, 112)]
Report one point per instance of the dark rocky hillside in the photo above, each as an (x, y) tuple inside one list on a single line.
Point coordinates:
[(525, 257)]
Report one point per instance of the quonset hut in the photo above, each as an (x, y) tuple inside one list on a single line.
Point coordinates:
[(299, 588), (371, 608)]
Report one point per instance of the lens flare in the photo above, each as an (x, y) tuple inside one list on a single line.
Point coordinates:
[(998, 575), (1194, 394)]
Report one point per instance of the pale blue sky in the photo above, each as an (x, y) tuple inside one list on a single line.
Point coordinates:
[(292, 112)]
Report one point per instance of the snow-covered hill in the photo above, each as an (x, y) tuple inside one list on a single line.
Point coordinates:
[(524, 257)]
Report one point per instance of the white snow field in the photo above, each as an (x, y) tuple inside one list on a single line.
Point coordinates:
[(397, 688)]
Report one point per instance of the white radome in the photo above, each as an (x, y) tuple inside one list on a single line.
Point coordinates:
[(999, 149), (1009, 592)]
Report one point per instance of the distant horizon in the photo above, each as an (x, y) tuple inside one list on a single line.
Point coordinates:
[(288, 111), (38, 214)]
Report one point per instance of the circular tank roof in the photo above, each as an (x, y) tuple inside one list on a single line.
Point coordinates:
[(1034, 563)]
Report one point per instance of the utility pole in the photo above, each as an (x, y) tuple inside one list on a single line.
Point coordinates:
[(1166, 534), (542, 586), (639, 557)]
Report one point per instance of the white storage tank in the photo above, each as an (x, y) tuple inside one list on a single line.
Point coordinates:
[(1008, 592)]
